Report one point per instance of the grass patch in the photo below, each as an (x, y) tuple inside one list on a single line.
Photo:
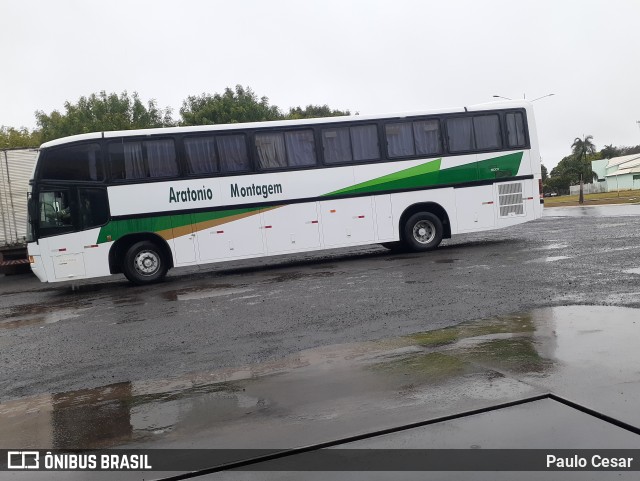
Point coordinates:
[(485, 327), (622, 197), (433, 367), (518, 354)]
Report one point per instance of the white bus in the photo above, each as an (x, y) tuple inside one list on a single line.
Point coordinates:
[(140, 202)]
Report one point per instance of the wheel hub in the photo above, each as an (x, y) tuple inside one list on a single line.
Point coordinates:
[(424, 231), (147, 263)]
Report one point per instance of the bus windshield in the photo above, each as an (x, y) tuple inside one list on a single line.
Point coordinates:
[(68, 209)]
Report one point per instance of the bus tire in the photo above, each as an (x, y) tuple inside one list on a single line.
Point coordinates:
[(423, 231), (145, 263)]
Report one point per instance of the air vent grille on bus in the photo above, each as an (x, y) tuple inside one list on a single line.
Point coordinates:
[(510, 199)]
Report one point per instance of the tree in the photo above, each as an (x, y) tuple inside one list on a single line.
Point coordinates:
[(102, 112), (609, 152), (241, 105), (630, 150), (581, 148), (12, 138), (545, 174), (315, 111)]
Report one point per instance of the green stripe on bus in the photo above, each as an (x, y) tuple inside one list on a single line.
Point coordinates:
[(429, 174), (119, 228)]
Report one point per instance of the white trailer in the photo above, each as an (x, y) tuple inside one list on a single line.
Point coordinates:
[(16, 168)]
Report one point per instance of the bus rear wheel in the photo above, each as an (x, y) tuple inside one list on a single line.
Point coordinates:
[(423, 231), (144, 263)]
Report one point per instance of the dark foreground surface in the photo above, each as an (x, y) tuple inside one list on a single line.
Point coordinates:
[(297, 350)]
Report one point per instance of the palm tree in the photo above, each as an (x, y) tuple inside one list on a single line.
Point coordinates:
[(581, 148)]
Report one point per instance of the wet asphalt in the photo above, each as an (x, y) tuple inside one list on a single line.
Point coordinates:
[(302, 349)]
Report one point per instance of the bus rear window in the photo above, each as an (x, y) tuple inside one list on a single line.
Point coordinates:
[(80, 162)]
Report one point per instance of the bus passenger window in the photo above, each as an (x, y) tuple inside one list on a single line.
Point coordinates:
[(161, 157), (400, 139), (364, 140), (201, 155), (271, 150), (487, 132), (427, 136), (145, 159), (337, 145), (460, 134), (301, 148), (515, 130), (233, 153)]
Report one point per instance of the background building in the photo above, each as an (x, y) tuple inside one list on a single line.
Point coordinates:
[(618, 173)]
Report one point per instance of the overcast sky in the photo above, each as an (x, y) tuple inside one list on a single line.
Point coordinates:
[(367, 56)]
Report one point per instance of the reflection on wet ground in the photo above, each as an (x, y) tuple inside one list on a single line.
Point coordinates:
[(74, 303), (551, 247), (593, 211), (564, 350), (38, 314), (549, 259), (190, 294)]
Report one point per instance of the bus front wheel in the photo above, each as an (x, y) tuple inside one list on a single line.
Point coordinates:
[(144, 263), (423, 231)]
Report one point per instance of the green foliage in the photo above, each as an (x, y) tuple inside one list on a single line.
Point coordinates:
[(102, 112), (315, 111), (558, 184), (106, 112), (573, 167), (609, 152), (629, 150), (241, 105), (12, 138), (545, 173), (581, 148)]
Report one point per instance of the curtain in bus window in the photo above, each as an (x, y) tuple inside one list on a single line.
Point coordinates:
[(515, 130), (427, 137), (134, 161), (161, 157), (399, 139), (337, 146), (364, 140), (460, 133), (233, 153), (300, 148), (271, 150), (487, 132), (201, 155)]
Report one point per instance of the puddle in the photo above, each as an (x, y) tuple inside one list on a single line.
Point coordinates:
[(436, 372), (196, 293), (607, 211), (48, 317), (552, 247), (294, 276), (549, 259)]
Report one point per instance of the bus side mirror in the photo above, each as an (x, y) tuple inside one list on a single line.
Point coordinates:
[(31, 207)]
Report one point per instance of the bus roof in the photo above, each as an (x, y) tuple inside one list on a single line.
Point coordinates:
[(510, 104)]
